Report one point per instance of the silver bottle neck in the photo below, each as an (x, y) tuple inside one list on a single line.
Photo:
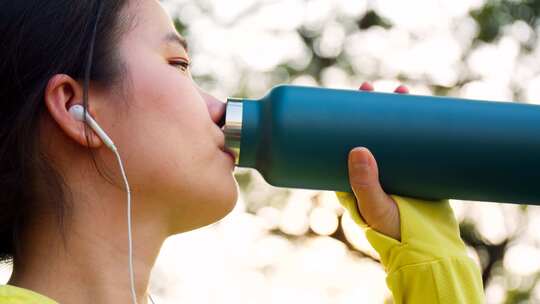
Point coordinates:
[(233, 126)]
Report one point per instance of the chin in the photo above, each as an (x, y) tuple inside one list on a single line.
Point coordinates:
[(225, 201), (212, 205)]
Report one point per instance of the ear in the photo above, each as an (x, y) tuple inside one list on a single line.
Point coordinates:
[(62, 92)]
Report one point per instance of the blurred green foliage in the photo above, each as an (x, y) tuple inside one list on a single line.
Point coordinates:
[(495, 14)]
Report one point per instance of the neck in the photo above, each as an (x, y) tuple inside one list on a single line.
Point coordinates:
[(90, 265)]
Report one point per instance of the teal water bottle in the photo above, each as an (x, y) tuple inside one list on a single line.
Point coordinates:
[(426, 146)]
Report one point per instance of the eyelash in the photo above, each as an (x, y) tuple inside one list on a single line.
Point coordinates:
[(182, 64)]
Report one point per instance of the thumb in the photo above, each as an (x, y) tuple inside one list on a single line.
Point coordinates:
[(376, 207)]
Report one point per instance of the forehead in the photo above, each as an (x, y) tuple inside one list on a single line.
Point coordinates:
[(152, 22)]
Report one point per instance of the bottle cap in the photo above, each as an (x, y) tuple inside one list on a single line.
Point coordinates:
[(233, 126)]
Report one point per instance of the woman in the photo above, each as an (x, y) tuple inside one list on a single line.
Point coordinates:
[(63, 208)]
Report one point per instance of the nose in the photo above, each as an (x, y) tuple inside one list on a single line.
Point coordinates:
[(216, 108)]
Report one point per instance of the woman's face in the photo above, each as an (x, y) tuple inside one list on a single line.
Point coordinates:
[(166, 131)]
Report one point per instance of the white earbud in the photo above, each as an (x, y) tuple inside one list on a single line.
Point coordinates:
[(77, 111)]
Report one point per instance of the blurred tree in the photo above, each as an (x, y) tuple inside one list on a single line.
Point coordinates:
[(495, 14), (371, 18)]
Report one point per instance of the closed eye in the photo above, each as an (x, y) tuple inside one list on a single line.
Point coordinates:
[(181, 64)]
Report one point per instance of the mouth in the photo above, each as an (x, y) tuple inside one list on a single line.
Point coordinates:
[(229, 152)]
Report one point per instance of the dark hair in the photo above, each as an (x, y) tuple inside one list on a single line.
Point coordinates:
[(38, 40)]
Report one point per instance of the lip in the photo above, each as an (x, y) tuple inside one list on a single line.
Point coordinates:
[(229, 152)]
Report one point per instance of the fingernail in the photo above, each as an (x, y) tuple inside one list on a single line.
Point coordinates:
[(402, 89), (366, 86), (359, 160)]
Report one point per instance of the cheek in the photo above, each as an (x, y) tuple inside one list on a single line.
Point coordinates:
[(170, 126), (164, 88), (164, 95)]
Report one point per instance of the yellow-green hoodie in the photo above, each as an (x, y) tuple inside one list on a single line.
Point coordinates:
[(430, 263)]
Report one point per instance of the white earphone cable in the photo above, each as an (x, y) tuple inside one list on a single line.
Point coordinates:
[(130, 239), (78, 113)]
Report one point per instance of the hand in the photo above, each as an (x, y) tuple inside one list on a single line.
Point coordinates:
[(377, 208)]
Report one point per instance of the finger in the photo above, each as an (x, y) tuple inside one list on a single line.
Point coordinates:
[(366, 86), (402, 90), (364, 179)]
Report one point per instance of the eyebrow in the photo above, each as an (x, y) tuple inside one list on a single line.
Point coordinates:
[(175, 38)]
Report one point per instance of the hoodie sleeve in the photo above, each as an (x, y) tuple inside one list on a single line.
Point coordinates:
[(430, 263)]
